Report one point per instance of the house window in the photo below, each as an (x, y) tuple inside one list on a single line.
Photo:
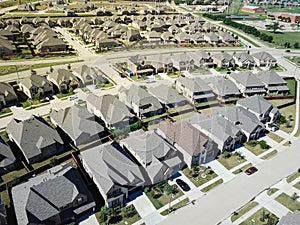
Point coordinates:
[(79, 200)]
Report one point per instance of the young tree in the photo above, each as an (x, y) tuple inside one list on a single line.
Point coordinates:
[(296, 45), (274, 27)]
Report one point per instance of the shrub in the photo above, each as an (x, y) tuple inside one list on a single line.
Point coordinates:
[(252, 143), (226, 154), (168, 189), (263, 144)]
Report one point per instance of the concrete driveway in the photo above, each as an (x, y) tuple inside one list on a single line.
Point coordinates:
[(91, 220), (220, 170)]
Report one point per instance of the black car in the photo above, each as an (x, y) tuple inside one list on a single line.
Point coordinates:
[(183, 185)]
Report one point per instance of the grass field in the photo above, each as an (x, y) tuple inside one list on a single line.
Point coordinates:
[(4, 70), (282, 37), (213, 185), (277, 8)]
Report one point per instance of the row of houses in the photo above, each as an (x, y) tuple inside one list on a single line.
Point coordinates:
[(60, 80), (139, 64), (193, 141), (118, 168)]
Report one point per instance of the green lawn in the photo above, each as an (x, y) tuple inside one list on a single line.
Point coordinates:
[(13, 69), (161, 116), (211, 186), (275, 137), (13, 175), (176, 206), (257, 150), (292, 177), (197, 178), (5, 198), (288, 202), (159, 197), (297, 185), (272, 191), (282, 37), (291, 86), (243, 168), (269, 155), (243, 210), (277, 8), (64, 95), (294, 59), (257, 216), (47, 161), (4, 111), (230, 162)]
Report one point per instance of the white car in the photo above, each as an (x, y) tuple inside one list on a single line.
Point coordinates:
[(272, 127)]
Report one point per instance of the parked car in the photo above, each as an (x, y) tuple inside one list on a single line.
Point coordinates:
[(251, 170), (183, 185), (72, 98), (272, 127)]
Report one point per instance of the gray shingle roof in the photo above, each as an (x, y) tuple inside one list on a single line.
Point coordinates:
[(222, 86), (256, 103), (292, 218), (185, 135), (41, 197), (240, 117), (271, 78), (6, 156), (35, 80), (33, 134), (110, 166), (265, 56), (7, 90), (195, 85), (166, 95), (75, 121), (247, 78), (112, 109), (147, 145)]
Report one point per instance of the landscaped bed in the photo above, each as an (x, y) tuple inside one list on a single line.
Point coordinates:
[(160, 194), (118, 215), (199, 175)]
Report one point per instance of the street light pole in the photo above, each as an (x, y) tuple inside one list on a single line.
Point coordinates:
[(17, 74)]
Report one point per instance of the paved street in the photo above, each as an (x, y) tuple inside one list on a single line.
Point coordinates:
[(247, 187)]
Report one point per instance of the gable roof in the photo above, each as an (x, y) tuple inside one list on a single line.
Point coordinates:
[(75, 121), (7, 90), (222, 86), (41, 197), (137, 95), (256, 104), (110, 166), (247, 79), (32, 134), (166, 95), (35, 80), (6, 155), (62, 75), (194, 84), (112, 109), (240, 117), (264, 56), (147, 145), (185, 135), (271, 78)]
